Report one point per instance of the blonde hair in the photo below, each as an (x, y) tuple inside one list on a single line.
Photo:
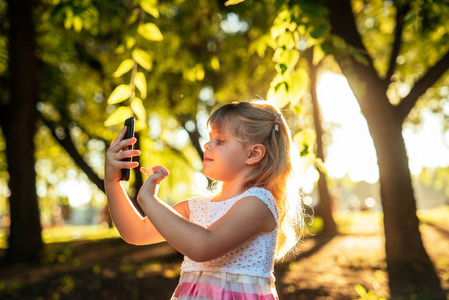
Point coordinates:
[(259, 122)]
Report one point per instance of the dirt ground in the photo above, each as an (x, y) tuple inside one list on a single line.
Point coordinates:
[(342, 267)]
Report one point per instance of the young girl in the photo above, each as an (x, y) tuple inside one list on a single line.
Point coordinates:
[(229, 239)]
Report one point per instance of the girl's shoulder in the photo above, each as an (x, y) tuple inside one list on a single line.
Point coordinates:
[(262, 193), (199, 199), (265, 196)]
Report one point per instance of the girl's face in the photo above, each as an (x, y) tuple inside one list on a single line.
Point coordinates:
[(225, 157)]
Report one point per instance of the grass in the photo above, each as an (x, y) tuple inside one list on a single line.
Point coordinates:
[(91, 262), (347, 224)]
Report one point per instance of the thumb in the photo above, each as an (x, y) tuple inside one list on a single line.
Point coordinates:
[(161, 173)]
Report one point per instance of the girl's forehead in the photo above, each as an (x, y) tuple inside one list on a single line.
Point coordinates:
[(223, 129)]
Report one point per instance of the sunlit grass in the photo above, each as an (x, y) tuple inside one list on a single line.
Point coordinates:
[(69, 233), (348, 223), (437, 215)]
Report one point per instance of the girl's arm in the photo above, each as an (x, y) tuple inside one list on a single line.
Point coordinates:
[(248, 217), (132, 228)]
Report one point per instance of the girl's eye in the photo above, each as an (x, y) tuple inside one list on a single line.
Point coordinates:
[(219, 142)]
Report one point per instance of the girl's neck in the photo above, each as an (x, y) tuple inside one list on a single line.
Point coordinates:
[(229, 191)]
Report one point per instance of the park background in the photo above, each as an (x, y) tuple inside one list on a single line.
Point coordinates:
[(363, 85)]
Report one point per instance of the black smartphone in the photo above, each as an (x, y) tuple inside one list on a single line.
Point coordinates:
[(129, 123)]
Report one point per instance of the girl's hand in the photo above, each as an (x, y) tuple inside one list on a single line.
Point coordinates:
[(114, 156), (151, 185)]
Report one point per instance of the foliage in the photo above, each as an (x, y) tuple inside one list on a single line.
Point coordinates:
[(136, 58), (171, 76), (366, 295)]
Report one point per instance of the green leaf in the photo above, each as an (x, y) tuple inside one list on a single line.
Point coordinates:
[(338, 42), (124, 67), (143, 59), (130, 42), (278, 97), (233, 2), (119, 94), (320, 31), (313, 8), (283, 68), (299, 83), (318, 54), (119, 116), (196, 73), (215, 63), (305, 141), (304, 151), (360, 290), (150, 31), (141, 83), (138, 108), (150, 6), (77, 23), (278, 4), (133, 18)]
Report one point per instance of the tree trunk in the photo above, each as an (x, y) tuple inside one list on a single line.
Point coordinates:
[(410, 269), (19, 128), (325, 206)]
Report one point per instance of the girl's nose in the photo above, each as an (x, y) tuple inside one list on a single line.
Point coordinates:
[(207, 146)]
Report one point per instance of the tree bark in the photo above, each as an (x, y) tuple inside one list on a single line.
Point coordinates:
[(408, 264), (19, 128)]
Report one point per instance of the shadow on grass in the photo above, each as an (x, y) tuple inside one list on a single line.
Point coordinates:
[(286, 292)]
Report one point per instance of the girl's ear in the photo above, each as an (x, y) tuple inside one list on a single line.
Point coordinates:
[(257, 153)]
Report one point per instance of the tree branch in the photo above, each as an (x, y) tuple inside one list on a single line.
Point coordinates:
[(354, 60), (420, 87), (400, 16), (67, 143)]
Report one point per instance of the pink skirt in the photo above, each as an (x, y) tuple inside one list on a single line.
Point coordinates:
[(224, 286)]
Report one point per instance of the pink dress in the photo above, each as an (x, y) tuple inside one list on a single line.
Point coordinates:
[(245, 273)]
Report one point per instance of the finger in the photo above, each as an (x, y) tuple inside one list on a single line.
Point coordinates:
[(127, 154), (161, 170), (146, 171), (160, 173), (123, 144), (128, 165), (120, 136)]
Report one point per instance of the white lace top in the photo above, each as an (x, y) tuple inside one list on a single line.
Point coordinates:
[(255, 257)]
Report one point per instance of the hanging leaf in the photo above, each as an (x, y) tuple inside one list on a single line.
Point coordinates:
[(150, 31), (133, 18), (318, 54), (130, 42), (150, 6), (119, 116), (298, 83), (215, 63), (77, 23), (141, 83), (138, 108), (143, 59), (199, 72), (305, 141), (119, 94), (233, 2), (288, 58), (278, 95), (124, 67), (320, 31)]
